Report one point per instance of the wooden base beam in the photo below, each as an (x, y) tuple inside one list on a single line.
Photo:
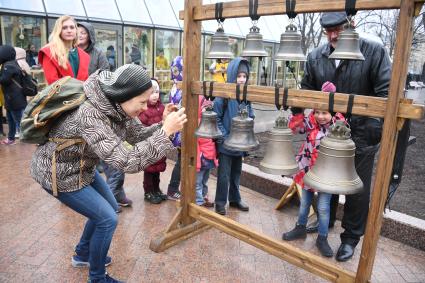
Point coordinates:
[(293, 189), (282, 250), (363, 105), (174, 234), (290, 192)]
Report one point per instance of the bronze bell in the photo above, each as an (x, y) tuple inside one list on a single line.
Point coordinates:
[(220, 48), (334, 171), (279, 158), (290, 45), (254, 46), (208, 126), (242, 136), (348, 46)]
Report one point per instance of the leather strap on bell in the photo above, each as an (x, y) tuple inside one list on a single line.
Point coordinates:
[(331, 103), (253, 7), (285, 99), (238, 93), (276, 97), (245, 93), (210, 91), (350, 7), (290, 8), (219, 12), (210, 96), (204, 89), (349, 107)]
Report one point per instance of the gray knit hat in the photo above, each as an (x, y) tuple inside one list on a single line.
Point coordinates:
[(124, 83)]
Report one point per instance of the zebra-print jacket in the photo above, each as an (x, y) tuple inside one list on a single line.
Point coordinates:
[(109, 134)]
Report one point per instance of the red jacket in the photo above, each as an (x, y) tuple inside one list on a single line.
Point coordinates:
[(52, 70), (151, 116)]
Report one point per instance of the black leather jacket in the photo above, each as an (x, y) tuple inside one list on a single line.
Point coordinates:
[(370, 77)]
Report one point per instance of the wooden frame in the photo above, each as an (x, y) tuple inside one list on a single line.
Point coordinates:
[(192, 219)]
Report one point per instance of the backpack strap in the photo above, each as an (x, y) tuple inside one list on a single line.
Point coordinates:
[(62, 144), (56, 87)]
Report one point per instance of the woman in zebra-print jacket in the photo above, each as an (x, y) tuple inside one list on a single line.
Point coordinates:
[(105, 126)]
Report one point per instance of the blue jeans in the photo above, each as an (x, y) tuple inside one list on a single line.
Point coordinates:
[(97, 203), (14, 118), (115, 179), (201, 185), (228, 179), (323, 208)]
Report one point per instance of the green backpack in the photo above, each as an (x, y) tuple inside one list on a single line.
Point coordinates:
[(62, 96)]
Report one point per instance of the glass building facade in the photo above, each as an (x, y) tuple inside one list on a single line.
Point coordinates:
[(145, 32)]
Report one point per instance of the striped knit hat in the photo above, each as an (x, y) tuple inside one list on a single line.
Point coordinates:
[(124, 83)]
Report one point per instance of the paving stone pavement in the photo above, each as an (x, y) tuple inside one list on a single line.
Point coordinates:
[(38, 235)]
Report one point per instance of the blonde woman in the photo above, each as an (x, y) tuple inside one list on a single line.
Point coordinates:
[(61, 56)]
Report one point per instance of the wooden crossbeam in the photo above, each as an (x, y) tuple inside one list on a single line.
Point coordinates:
[(238, 9), (308, 261), (363, 105)]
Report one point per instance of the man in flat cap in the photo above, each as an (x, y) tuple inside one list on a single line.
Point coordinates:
[(369, 77)]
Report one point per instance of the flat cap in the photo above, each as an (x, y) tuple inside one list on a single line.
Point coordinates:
[(333, 19)]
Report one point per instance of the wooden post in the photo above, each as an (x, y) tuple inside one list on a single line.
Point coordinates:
[(191, 57), (388, 142)]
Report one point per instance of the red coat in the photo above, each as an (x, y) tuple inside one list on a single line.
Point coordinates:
[(52, 70), (151, 116)]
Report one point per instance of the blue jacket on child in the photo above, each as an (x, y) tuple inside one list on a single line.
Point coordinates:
[(224, 120)]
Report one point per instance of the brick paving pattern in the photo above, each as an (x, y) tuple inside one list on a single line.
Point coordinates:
[(38, 234)]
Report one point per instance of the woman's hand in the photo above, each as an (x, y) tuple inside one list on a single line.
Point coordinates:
[(170, 107), (174, 122)]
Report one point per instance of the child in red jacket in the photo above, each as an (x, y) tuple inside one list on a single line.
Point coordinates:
[(316, 127), (151, 116), (206, 160)]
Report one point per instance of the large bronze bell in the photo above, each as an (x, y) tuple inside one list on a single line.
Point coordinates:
[(334, 171), (208, 126), (279, 158), (290, 46), (348, 46), (242, 136), (254, 46), (220, 48)]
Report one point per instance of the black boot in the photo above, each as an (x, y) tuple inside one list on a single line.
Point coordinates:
[(298, 232), (323, 246)]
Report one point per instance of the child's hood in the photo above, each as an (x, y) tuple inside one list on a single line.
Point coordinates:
[(232, 69)]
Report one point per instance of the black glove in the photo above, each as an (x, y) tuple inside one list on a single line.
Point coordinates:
[(373, 130)]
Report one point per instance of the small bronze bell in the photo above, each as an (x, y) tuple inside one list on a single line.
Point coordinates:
[(254, 46), (208, 126), (242, 136), (290, 46), (334, 171), (279, 158), (348, 45), (220, 48)]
